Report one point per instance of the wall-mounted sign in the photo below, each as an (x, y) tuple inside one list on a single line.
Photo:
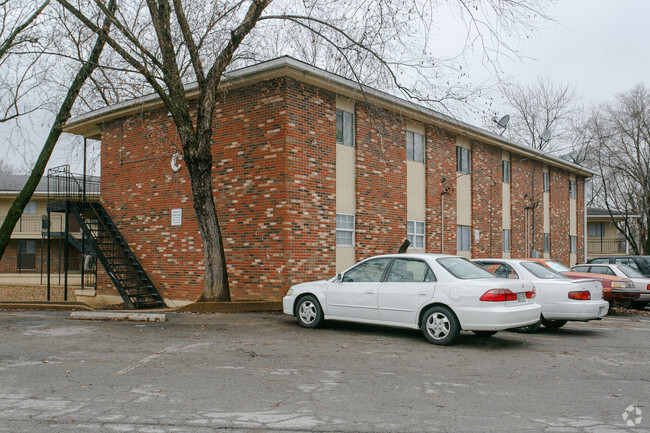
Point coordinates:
[(477, 236), (177, 217)]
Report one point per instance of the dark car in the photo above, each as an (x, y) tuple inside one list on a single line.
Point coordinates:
[(640, 263)]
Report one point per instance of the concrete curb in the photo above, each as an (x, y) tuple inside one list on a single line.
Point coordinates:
[(105, 315), (230, 307), (45, 306)]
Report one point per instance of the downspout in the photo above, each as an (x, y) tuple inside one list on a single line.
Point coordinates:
[(584, 216)]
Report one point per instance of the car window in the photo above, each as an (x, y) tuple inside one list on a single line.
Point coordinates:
[(499, 270), (580, 269), (368, 271), (627, 261), (605, 270), (630, 272), (556, 266), (463, 268), (600, 260), (541, 271), (410, 271)]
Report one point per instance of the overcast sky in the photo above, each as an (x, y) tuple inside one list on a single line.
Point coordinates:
[(600, 46)]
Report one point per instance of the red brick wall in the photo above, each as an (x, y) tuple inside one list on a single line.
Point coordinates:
[(440, 163), (274, 179), (559, 200), (487, 214), (526, 191), (9, 262)]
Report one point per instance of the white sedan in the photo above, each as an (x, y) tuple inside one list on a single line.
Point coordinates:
[(439, 294), (641, 282), (562, 299)]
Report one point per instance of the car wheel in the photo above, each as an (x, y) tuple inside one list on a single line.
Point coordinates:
[(440, 326), (308, 312), (485, 333), (554, 324), (530, 328)]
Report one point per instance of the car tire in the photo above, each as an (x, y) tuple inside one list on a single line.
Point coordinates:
[(485, 333), (530, 328), (309, 312), (554, 324), (440, 326)]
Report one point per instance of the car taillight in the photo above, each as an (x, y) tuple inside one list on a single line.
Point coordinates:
[(648, 288), (498, 295), (582, 295), (531, 294)]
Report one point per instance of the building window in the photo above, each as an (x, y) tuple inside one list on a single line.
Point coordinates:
[(547, 242), (573, 189), (505, 170), (344, 230), (26, 255), (415, 234), (506, 240), (30, 208), (463, 160), (344, 128), (463, 238), (414, 146), (547, 182), (595, 230), (573, 245)]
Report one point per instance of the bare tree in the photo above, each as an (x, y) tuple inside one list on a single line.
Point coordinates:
[(617, 139), (20, 76), (6, 168), (543, 106), (23, 197), (170, 43)]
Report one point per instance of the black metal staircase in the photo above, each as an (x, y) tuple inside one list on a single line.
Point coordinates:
[(109, 246)]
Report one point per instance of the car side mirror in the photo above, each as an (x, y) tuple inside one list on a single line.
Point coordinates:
[(339, 278)]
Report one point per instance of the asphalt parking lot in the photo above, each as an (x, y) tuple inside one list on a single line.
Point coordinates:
[(262, 372)]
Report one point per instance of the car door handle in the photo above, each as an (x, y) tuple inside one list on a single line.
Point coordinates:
[(370, 292), (423, 293)]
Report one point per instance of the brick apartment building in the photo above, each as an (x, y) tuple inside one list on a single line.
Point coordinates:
[(311, 175)]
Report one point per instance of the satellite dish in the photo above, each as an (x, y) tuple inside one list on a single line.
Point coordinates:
[(546, 135), (502, 123)]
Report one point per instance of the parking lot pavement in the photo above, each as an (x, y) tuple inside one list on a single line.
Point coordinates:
[(262, 372)]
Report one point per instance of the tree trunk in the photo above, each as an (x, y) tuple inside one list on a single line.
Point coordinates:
[(18, 205), (216, 276)]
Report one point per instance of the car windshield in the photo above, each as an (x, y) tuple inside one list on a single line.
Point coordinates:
[(541, 271), (630, 272), (556, 266), (463, 269)]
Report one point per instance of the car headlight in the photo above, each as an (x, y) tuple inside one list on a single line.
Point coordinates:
[(619, 285), (289, 292)]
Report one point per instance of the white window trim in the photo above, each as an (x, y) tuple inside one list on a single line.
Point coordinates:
[(346, 230), (412, 236)]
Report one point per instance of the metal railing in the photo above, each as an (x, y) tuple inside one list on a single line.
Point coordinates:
[(35, 225), (65, 186), (606, 246)]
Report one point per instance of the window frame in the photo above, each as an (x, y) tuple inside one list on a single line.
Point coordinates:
[(505, 171), (31, 208), (547, 242), (573, 189), (463, 233), (573, 244), (505, 240), (413, 235), (463, 160), (412, 146), (600, 233), (546, 182), (346, 125), (345, 230)]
